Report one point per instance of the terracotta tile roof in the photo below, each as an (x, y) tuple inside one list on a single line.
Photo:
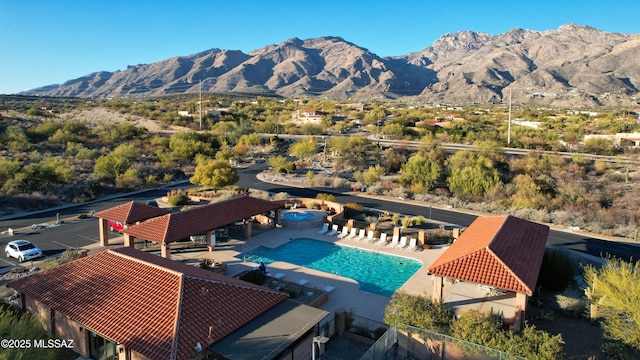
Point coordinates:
[(180, 225), (155, 306), (500, 251), (131, 212)]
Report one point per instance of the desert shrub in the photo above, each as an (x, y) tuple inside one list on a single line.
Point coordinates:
[(254, 276), (340, 183), (352, 210), (375, 189), (397, 193), (406, 222), (177, 199), (556, 271), (616, 351), (572, 302), (326, 197)]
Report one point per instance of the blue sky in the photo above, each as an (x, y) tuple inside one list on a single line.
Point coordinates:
[(45, 42)]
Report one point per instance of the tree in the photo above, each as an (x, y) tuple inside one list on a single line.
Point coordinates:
[(214, 173), (14, 325), (186, 145), (304, 149), (418, 311), (372, 175), (110, 166), (614, 290), (419, 170), (280, 164)]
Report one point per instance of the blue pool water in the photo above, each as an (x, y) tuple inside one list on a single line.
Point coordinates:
[(377, 273), (297, 215)]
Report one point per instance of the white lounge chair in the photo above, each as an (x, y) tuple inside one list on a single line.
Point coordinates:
[(403, 242), (370, 236), (334, 230), (344, 232), (394, 241), (352, 233), (361, 235), (413, 244), (383, 239), (325, 228)]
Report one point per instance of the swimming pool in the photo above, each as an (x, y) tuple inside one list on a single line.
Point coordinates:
[(297, 216), (377, 273)]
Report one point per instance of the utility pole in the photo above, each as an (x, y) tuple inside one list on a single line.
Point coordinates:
[(509, 126), (200, 104)]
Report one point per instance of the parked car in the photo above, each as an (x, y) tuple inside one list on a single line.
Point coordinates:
[(152, 203), (115, 225), (22, 250)]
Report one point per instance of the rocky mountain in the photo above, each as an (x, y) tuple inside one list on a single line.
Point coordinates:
[(573, 65)]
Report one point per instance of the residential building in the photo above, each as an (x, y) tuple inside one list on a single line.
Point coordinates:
[(127, 304)]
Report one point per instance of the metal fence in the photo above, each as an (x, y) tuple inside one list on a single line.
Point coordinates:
[(413, 343)]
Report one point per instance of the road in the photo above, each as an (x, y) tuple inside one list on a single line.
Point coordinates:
[(83, 233)]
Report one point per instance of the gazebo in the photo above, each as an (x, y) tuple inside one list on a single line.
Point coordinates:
[(128, 214), (204, 219), (501, 254)]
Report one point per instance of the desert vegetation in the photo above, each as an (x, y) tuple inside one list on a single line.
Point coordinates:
[(60, 150)]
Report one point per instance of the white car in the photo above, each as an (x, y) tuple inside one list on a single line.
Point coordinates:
[(22, 250)]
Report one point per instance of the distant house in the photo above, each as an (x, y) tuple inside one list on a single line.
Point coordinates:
[(308, 116), (492, 267), (127, 304), (619, 139)]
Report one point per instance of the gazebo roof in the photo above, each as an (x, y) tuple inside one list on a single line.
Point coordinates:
[(500, 251), (180, 225), (131, 212)]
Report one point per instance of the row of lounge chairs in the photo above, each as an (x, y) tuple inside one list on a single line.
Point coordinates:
[(399, 242)]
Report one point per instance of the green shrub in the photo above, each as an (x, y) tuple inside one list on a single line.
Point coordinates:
[(177, 198), (556, 272), (326, 197), (255, 277)]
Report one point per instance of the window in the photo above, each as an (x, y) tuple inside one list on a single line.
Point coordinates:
[(101, 348)]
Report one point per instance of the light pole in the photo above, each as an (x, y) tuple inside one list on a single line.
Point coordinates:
[(200, 104), (317, 340)]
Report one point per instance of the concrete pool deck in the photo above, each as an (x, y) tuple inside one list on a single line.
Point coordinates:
[(345, 293)]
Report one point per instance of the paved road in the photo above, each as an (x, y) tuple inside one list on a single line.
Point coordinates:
[(84, 233)]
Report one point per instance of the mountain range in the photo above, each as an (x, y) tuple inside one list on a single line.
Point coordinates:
[(574, 65)]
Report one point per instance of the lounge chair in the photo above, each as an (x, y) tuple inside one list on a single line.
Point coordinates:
[(383, 239), (370, 236), (325, 228), (344, 232), (413, 244), (334, 230), (352, 233), (361, 235), (394, 241), (403, 242)]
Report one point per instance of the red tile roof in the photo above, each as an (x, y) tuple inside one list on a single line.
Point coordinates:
[(155, 306), (500, 251), (180, 225), (131, 212)]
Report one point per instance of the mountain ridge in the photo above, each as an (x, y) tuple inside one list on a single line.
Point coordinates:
[(574, 65)]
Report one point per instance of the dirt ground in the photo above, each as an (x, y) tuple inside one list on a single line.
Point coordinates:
[(582, 340)]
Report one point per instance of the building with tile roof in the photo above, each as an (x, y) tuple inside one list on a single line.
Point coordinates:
[(500, 253), (140, 306), (126, 214), (166, 227)]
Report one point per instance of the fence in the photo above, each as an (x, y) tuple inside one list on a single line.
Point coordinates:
[(413, 343)]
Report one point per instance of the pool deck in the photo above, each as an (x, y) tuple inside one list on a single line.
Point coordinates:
[(345, 293)]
